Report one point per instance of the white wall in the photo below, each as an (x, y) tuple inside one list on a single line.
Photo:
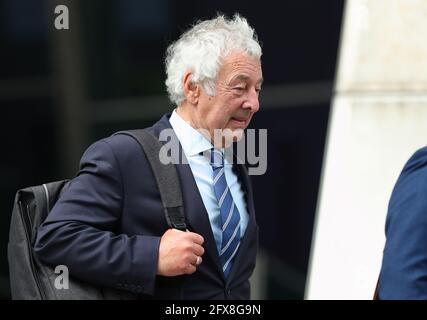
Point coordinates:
[(379, 118)]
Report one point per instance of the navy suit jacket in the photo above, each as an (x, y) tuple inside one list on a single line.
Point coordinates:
[(404, 266), (106, 227)]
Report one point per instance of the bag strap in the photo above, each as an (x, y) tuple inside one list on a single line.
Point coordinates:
[(166, 177)]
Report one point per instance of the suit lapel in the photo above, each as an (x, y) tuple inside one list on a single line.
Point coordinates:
[(242, 174), (195, 212)]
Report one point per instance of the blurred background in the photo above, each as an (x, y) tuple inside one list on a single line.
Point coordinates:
[(60, 90)]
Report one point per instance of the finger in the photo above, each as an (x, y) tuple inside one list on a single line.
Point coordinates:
[(198, 261), (190, 269), (195, 237), (198, 250)]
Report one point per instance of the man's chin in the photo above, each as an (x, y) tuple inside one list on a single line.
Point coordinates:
[(237, 134), (224, 138), (231, 136)]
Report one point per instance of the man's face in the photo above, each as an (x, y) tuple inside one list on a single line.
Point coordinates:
[(236, 96)]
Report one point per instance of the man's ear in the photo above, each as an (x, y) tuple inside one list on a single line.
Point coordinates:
[(191, 90)]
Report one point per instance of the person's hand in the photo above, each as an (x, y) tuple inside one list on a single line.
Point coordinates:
[(179, 253)]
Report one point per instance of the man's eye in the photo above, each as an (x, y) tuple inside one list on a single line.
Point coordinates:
[(239, 88)]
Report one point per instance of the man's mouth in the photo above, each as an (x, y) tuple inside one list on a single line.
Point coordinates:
[(241, 121)]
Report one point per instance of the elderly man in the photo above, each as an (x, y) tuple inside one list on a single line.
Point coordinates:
[(109, 227)]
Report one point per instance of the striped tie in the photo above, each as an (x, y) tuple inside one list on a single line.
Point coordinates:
[(230, 216)]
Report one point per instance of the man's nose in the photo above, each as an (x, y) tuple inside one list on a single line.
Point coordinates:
[(252, 101)]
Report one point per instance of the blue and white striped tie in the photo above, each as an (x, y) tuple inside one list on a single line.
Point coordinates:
[(230, 216)]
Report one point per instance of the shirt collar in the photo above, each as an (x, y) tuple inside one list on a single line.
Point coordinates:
[(192, 141)]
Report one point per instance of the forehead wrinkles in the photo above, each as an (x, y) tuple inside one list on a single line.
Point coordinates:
[(240, 65), (242, 70), (237, 64)]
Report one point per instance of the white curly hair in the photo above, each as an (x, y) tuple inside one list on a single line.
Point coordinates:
[(201, 50)]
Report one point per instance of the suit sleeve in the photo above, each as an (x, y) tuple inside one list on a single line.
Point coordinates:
[(404, 266), (79, 231)]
